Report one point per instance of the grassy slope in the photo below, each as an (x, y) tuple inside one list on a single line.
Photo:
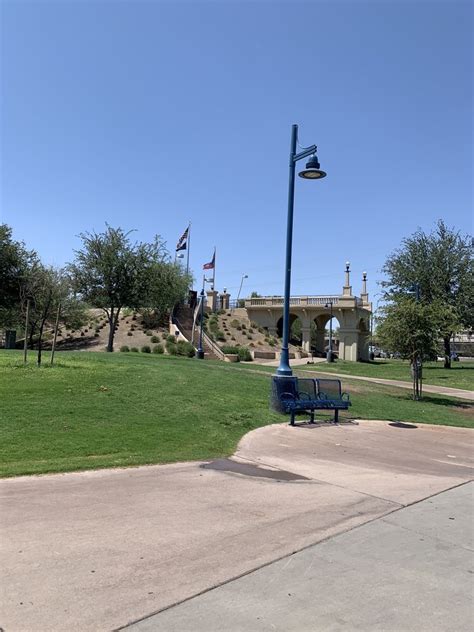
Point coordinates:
[(99, 410)]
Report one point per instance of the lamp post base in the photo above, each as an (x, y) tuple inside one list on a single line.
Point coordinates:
[(329, 356), (200, 354)]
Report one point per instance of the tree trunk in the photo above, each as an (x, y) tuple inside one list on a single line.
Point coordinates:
[(110, 343), (447, 352), (40, 340)]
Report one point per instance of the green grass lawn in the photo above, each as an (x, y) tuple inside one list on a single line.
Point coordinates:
[(96, 410), (461, 375)]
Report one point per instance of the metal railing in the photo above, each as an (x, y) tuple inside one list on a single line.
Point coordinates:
[(270, 301)]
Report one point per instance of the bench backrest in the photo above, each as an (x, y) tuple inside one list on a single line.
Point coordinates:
[(330, 388), (307, 386)]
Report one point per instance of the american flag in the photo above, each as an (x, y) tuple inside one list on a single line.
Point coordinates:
[(183, 241), (211, 264)]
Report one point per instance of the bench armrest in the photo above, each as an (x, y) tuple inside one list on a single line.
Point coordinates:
[(287, 396)]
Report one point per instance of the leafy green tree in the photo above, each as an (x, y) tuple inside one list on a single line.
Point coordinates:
[(111, 272), (441, 263), (46, 289), (410, 328), (15, 261)]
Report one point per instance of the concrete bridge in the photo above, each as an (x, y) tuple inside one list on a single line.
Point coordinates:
[(352, 312)]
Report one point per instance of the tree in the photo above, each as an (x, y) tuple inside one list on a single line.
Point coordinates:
[(410, 328), (46, 288), (441, 263), (15, 261), (110, 272)]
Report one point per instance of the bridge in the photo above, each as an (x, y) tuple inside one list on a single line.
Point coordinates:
[(352, 312)]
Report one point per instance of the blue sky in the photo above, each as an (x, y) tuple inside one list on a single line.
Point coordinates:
[(147, 115)]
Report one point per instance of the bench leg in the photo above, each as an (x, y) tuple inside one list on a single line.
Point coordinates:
[(312, 417), (292, 421), (336, 416)]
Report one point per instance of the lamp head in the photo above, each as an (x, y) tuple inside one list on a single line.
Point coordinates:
[(348, 265), (312, 171)]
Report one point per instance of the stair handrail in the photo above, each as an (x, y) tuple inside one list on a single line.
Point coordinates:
[(215, 347)]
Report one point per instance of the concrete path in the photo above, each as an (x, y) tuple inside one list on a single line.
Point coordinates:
[(409, 571), (427, 388), (98, 550)]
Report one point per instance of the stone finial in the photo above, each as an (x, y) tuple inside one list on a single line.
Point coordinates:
[(347, 289), (364, 282)]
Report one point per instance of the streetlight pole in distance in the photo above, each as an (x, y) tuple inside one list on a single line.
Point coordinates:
[(312, 172), (200, 351), (244, 276), (329, 356)]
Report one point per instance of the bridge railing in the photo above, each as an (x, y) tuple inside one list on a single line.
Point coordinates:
[(294, 300)]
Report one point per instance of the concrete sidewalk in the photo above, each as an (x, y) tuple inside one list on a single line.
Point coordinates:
[(300, 363), (93, 551), (408, 572)]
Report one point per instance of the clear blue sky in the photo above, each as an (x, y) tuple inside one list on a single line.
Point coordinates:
[(148, 114)]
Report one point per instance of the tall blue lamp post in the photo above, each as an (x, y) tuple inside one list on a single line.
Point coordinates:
[(329, 356), (200, 350), (312, 172)]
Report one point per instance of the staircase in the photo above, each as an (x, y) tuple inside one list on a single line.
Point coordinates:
[(183, 318)]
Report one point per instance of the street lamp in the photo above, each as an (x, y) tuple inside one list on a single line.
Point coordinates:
[(312, 172), (200, 351), (329, 356), (244, 276)]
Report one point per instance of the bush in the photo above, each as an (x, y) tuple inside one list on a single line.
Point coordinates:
[(146, 349), (147, 332), (221, 312), (171, 347), (250, 331), (134, 349), (155, 339), (234, 323), (96, 335), (244, 326), (220, 335), (129, 333), (158, 349), (239, 328), (185, 348), (228, 349), (232, 337), (124, 349), (171, 339), (245, 355), (272, 342), (249, 337)]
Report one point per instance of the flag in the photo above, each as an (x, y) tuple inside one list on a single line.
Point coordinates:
[(211, 264), (183, 241)]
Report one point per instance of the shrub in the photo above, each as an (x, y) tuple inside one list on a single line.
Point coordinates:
[(253, 324), (129, 333), (171, 347), (239, 328), (230, 349), (249, 337), (220, 335), (250, 331), (155, 339), (221, 312), (134, 349), (82, 333), (232, 337), (185, 348), (124, 349), (96, 335), (170, 339), (244, 326), (146, 349), (158, 349), (272, 342), (147, 333), (234, 323), (245, 355)]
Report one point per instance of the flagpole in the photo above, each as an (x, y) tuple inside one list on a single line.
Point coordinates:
[(188, 248)]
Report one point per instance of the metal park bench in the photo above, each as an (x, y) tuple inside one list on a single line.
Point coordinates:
[(293, 395)]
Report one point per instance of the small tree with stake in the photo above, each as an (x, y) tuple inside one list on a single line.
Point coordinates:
[(410, 328)]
